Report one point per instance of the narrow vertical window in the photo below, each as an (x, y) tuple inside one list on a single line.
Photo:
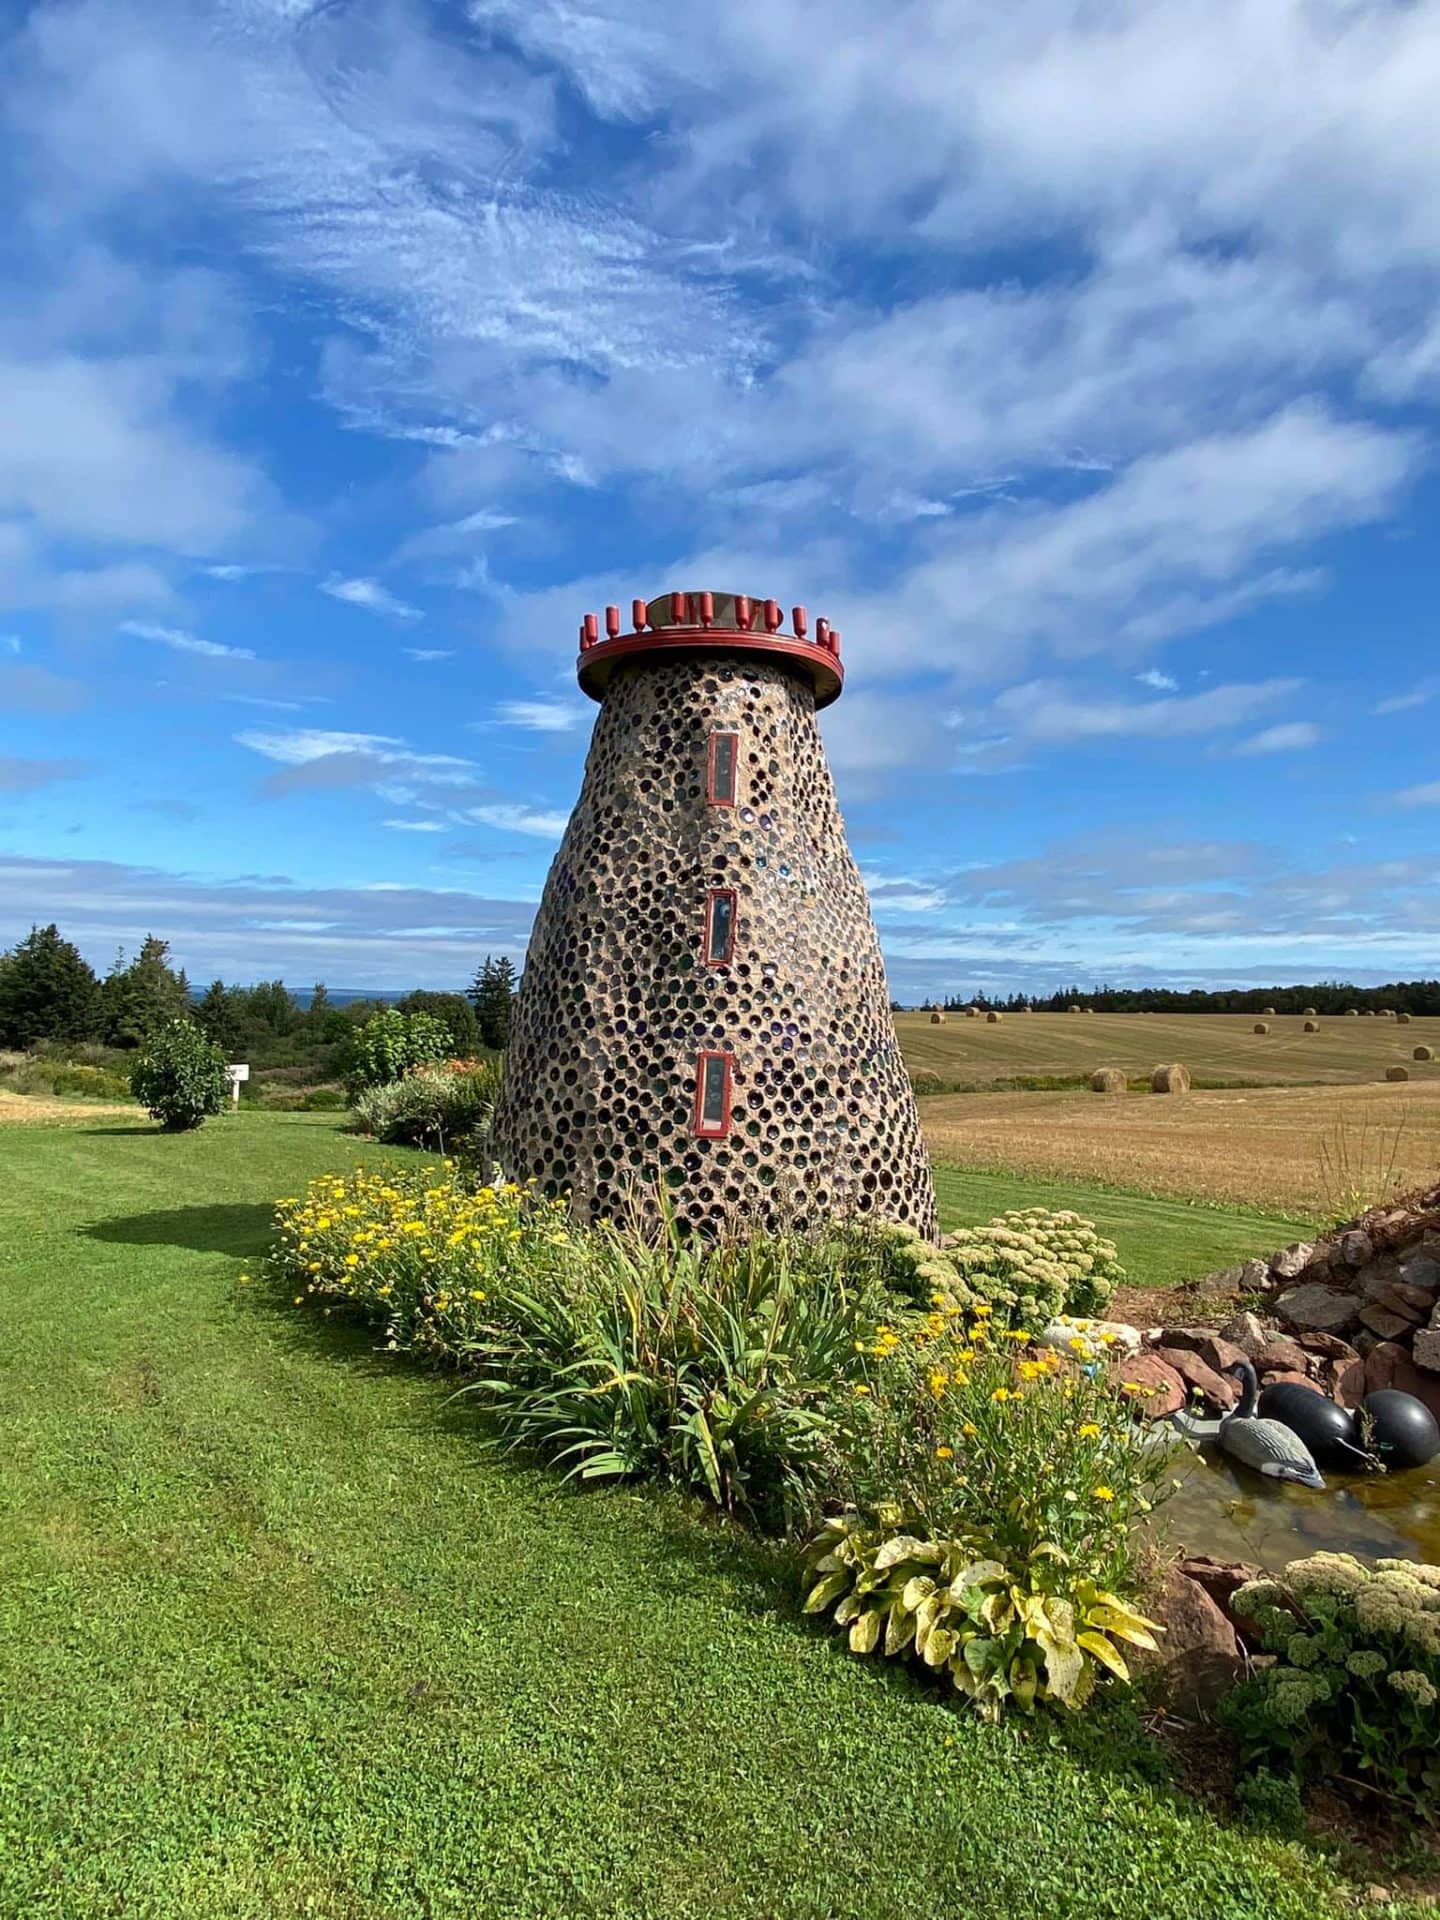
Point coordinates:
[(719, 926), (712, 1096), (722, 769)]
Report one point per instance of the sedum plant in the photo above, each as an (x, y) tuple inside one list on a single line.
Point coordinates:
[(1355, 1683), (440, 1105), (1028, 1266), (1002, 1630), (179, 1078)]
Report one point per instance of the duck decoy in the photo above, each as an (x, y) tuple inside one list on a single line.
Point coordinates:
[(1265, 1445), (1404, 1429), (1330, 1431)]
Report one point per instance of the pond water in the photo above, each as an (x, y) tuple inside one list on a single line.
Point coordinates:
[(1222, 1509)]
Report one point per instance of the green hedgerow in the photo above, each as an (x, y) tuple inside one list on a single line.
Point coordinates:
[(179, 1078), (439, 1105), (1356, 1678)]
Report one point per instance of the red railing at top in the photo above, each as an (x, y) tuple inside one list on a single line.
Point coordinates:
[(702, 614)]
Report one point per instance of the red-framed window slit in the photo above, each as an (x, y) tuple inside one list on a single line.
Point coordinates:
[(712, 1095), (720, 909), (722, 767)]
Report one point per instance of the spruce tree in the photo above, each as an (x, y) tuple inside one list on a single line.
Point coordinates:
[(219, 1016), (139, 999), (48, 991), (492, 994)]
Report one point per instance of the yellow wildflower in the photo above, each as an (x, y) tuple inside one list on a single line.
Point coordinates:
[(1102, 1493), (1089, 1431), (944, 1453)]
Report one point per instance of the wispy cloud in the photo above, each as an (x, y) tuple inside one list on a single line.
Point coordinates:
[(372, 596), (416, 826), (511, 818), (1050, 712), (1427, 795), (1288, 737), (425, 655), (541, 715), (25, 776), (1160, 682), (181, 642), (1418, 696)]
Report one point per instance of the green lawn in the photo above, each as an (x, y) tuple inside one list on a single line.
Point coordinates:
[(1161, 1241), (280, 1639)]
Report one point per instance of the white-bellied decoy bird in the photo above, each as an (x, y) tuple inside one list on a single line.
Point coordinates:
[(1265, 1445)]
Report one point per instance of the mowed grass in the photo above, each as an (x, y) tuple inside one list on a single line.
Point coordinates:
[(1219, 1048), (1266, 1147), (279, 1638)]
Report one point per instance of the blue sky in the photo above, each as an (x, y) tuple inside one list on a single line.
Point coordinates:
[(1079, 363)]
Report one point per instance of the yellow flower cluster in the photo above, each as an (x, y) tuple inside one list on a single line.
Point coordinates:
[(419, 1246)]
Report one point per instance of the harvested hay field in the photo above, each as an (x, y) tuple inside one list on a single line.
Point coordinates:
[(1258, 1147), (45, 1110), (1217, 1047)]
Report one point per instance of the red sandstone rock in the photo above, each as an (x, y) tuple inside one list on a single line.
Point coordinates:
[(1199, 1656), (1292, 1380), (1167, 1389), (1279, 1355), (1195, 1372), (1216, 1351), (1220, 1579), (1382, 1322), (1328, 1345)]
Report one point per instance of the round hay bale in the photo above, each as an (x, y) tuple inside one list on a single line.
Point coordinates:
[(937, 1019), (1423, 1053), (1352, 1013), (1108, 1080), (972, 1013), (1402, 1019), (1072, 1009), (1269, 1013), (993, 1018), (1397, 1073), (1367, 1013), (1387, 1013), (1171, 1079), (1260, 1026), (1312, 1026), (1312, 1013)]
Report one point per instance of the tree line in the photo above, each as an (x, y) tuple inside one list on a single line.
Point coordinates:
[(1325, 996), (51, 995)]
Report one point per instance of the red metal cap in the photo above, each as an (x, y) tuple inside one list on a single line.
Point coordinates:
[(686, 622)]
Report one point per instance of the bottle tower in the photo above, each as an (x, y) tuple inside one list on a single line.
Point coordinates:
[(703, 1012)]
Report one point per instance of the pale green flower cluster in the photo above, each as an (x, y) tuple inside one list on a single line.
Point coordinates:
[(1357, 1674), (1033, 1265)]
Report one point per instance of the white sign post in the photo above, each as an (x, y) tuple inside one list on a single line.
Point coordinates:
[(235, 1075)]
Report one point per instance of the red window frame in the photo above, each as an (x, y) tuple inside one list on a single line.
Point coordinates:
[(711, 957), (712, 1129), (712, 797)]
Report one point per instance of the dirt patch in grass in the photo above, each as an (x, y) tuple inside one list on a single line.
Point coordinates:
[(41, 1109)]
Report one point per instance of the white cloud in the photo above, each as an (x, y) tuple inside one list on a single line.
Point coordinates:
[(541, 715), (181, 642), (1288, 737), (511, 818), (1049, 712), (1422, 796), (10, 643), (427, 654), (416, 826), (1417, 696), (371, 595), (1160, 682)]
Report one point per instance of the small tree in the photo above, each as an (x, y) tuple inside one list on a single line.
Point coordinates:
[(48, 991), (492, 994), (390, 1043), (180, 1077), (453, 1011)]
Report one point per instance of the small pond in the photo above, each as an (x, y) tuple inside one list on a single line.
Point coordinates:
[(1222, 1509)]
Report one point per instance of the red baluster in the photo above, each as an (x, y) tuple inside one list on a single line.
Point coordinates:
[(822, 633), (772, 616), (801, 620), (639, 614), (835, 641), (744, 612), (680, 608), (590, 629), (612, 621), (707, 609)]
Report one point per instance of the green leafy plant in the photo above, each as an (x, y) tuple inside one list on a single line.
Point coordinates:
[(440, 1106), (1354, 1686), (1028, 1266), (1002, 1629), (180, 1077), (390, 1043)]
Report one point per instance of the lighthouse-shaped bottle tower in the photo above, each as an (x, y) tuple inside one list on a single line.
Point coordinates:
[(703, 1011)]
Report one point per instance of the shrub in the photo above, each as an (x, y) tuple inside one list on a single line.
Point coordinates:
[(1031, 1265), (1356, 1678), (180, 1077), (390, 1043), (437, 1106), (729, 1369), (322, 1100), (1002, 1631)]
